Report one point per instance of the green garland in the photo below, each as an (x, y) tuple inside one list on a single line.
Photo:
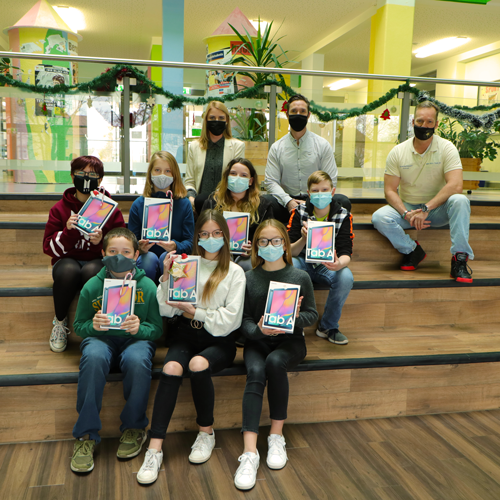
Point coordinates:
[(107, 82)]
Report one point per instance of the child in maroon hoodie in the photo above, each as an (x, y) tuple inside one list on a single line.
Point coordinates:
[(75, 258)]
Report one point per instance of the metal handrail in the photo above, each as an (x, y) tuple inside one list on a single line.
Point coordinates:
[(251, 69)]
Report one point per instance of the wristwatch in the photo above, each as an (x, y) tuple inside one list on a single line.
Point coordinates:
[(424, 208), (404, 214)]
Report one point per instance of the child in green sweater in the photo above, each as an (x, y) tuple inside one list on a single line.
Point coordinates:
[(131, 348)]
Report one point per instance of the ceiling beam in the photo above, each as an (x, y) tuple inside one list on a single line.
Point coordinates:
[(338, 36)]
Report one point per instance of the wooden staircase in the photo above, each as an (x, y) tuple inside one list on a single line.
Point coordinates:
[(419, 342)]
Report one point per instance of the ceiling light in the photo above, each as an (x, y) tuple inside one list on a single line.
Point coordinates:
[(263, 25), (340, 84), (413, 84), (72, 17), (441, 46)]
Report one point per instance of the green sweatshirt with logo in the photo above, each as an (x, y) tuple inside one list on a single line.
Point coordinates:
[(145, 308)]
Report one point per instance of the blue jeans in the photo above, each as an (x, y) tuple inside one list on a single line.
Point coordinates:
[(150, 263), (340, 283), (455, 212), (134, 358)]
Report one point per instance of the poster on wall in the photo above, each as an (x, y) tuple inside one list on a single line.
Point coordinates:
[(48, 75), (220, 82), (486, 96)]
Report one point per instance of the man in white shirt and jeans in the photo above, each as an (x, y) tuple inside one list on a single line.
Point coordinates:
[(423, 185), (293, 158)]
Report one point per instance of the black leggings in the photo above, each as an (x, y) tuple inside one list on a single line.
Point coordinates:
[(69, 277), (187, 343), (269, 359)]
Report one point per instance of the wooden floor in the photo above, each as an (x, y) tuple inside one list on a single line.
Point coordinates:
[(434, 457)]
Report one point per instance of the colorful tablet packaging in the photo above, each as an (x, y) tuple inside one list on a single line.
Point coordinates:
[(185, 289), (157, 219), (320, 242), (95, 212), (239, 225), (118, 299), (281, 306)]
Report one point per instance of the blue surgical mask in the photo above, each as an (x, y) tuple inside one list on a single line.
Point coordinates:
[(320, 200), (237, 184), (270, 253), (211, 244)]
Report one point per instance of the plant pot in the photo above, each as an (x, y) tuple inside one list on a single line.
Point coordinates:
[(256, 152), (471, 165)]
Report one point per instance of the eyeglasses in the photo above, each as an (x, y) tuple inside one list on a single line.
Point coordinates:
[(204, 235), (264, 242), (92, 175)]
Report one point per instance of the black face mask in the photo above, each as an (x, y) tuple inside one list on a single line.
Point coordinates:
[(118, 263), (297, 122), (423, 133), (216, 127), (85, 184)]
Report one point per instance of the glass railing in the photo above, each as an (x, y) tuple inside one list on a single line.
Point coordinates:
[(40, 133)]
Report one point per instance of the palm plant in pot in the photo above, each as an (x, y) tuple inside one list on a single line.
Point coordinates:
[(473, 144), (262, 51)]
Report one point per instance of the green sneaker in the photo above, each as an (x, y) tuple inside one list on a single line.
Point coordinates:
[(83, 456), (131, 443)]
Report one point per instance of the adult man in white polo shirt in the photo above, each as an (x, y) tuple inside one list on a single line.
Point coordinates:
[(293, 158), (428, 172)]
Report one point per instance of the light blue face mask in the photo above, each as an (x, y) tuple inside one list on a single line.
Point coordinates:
[(321, 200), (237, 184), (270, 253), (211, 244)]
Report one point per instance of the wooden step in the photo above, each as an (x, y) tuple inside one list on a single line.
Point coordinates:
[(42, 203), (29, 318), (369, 245), (47, 412)]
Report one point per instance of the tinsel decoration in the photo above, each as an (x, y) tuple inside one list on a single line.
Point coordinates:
[(479, 121), (107, 82)]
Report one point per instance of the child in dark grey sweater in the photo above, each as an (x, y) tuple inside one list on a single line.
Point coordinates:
[(270, 353)]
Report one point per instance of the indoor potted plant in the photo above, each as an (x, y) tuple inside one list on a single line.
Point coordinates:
[(473, 144), (251, 124)]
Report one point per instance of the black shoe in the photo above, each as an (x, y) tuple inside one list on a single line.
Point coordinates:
[(413, 259), (460, 271), (333, 336)]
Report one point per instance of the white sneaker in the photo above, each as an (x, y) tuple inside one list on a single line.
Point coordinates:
[(276, 455), (148, 473), (59, 336), (246, 475), (202, 448)]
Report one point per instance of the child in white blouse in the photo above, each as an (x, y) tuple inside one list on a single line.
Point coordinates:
[(202, 343)]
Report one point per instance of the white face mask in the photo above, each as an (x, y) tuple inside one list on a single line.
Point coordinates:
[(162, 181)]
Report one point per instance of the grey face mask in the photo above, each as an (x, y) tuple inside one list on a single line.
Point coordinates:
[(162, 181), (118, 263)]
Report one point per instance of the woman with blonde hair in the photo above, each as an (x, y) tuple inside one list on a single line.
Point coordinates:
[(270, 353), (239, 191), (162, 178), (207, 156), (202, 343)]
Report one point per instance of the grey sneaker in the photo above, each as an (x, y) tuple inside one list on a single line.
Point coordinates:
[(148, 473), (131, 443), (59, 337), (83, 456), (202, 448), (334, 336)]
